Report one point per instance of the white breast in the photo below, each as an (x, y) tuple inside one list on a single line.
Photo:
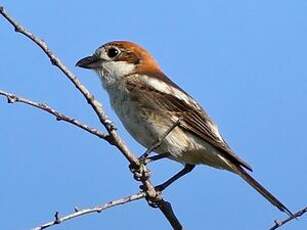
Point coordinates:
[(141, 127)]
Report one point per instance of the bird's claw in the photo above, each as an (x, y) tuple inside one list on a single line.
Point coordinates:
[(140, 173), (154, 202), (159, 188), (143, 160)]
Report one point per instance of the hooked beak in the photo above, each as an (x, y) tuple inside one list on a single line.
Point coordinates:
[(89, 62)]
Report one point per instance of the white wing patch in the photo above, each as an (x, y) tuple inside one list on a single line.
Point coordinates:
[(215, 130), (168, 89)]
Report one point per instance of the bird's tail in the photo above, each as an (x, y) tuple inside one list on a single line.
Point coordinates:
[(265, 193)]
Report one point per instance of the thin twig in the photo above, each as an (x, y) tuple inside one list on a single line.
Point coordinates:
[(96, 105), (279, 223), (114, 139), (12, 98), (81, 212)]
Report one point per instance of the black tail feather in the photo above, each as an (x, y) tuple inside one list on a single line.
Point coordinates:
[(263, 191)]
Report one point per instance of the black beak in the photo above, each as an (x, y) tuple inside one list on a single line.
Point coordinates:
[(90, 62)]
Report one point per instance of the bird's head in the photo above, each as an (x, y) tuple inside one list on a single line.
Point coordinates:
[(117, 59)]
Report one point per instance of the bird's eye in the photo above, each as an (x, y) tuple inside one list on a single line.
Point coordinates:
[(113, 52)]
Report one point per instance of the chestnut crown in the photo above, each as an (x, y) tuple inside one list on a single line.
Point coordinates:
[(123, 52)]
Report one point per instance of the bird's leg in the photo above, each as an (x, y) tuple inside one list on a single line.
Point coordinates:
[(187, 168), (157, 144), (139, 174), (156, 157)]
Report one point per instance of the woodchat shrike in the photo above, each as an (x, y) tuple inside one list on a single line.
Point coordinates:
[(148, 103)]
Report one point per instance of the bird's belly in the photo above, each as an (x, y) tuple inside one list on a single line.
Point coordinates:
[(147, 126), (142, 125)]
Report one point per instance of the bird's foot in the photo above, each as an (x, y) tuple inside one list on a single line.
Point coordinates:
[(140, 172)]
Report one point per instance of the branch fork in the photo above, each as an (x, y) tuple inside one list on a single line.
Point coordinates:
[(112, 137)]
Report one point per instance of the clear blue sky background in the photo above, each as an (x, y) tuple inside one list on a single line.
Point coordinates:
[(245, 61)]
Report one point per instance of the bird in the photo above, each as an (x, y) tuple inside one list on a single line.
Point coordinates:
[(149, 103)]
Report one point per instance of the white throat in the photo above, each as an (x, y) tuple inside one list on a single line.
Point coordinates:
[(113, 71)]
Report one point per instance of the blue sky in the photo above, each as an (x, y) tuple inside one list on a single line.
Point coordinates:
[(244, 61)]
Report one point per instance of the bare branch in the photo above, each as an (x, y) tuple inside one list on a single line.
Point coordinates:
[(87, 211), (279, 223), (96, 105), (12, 98), (167, 210), (151, 194)]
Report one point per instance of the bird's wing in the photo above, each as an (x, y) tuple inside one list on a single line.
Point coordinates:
[(169, 97)]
